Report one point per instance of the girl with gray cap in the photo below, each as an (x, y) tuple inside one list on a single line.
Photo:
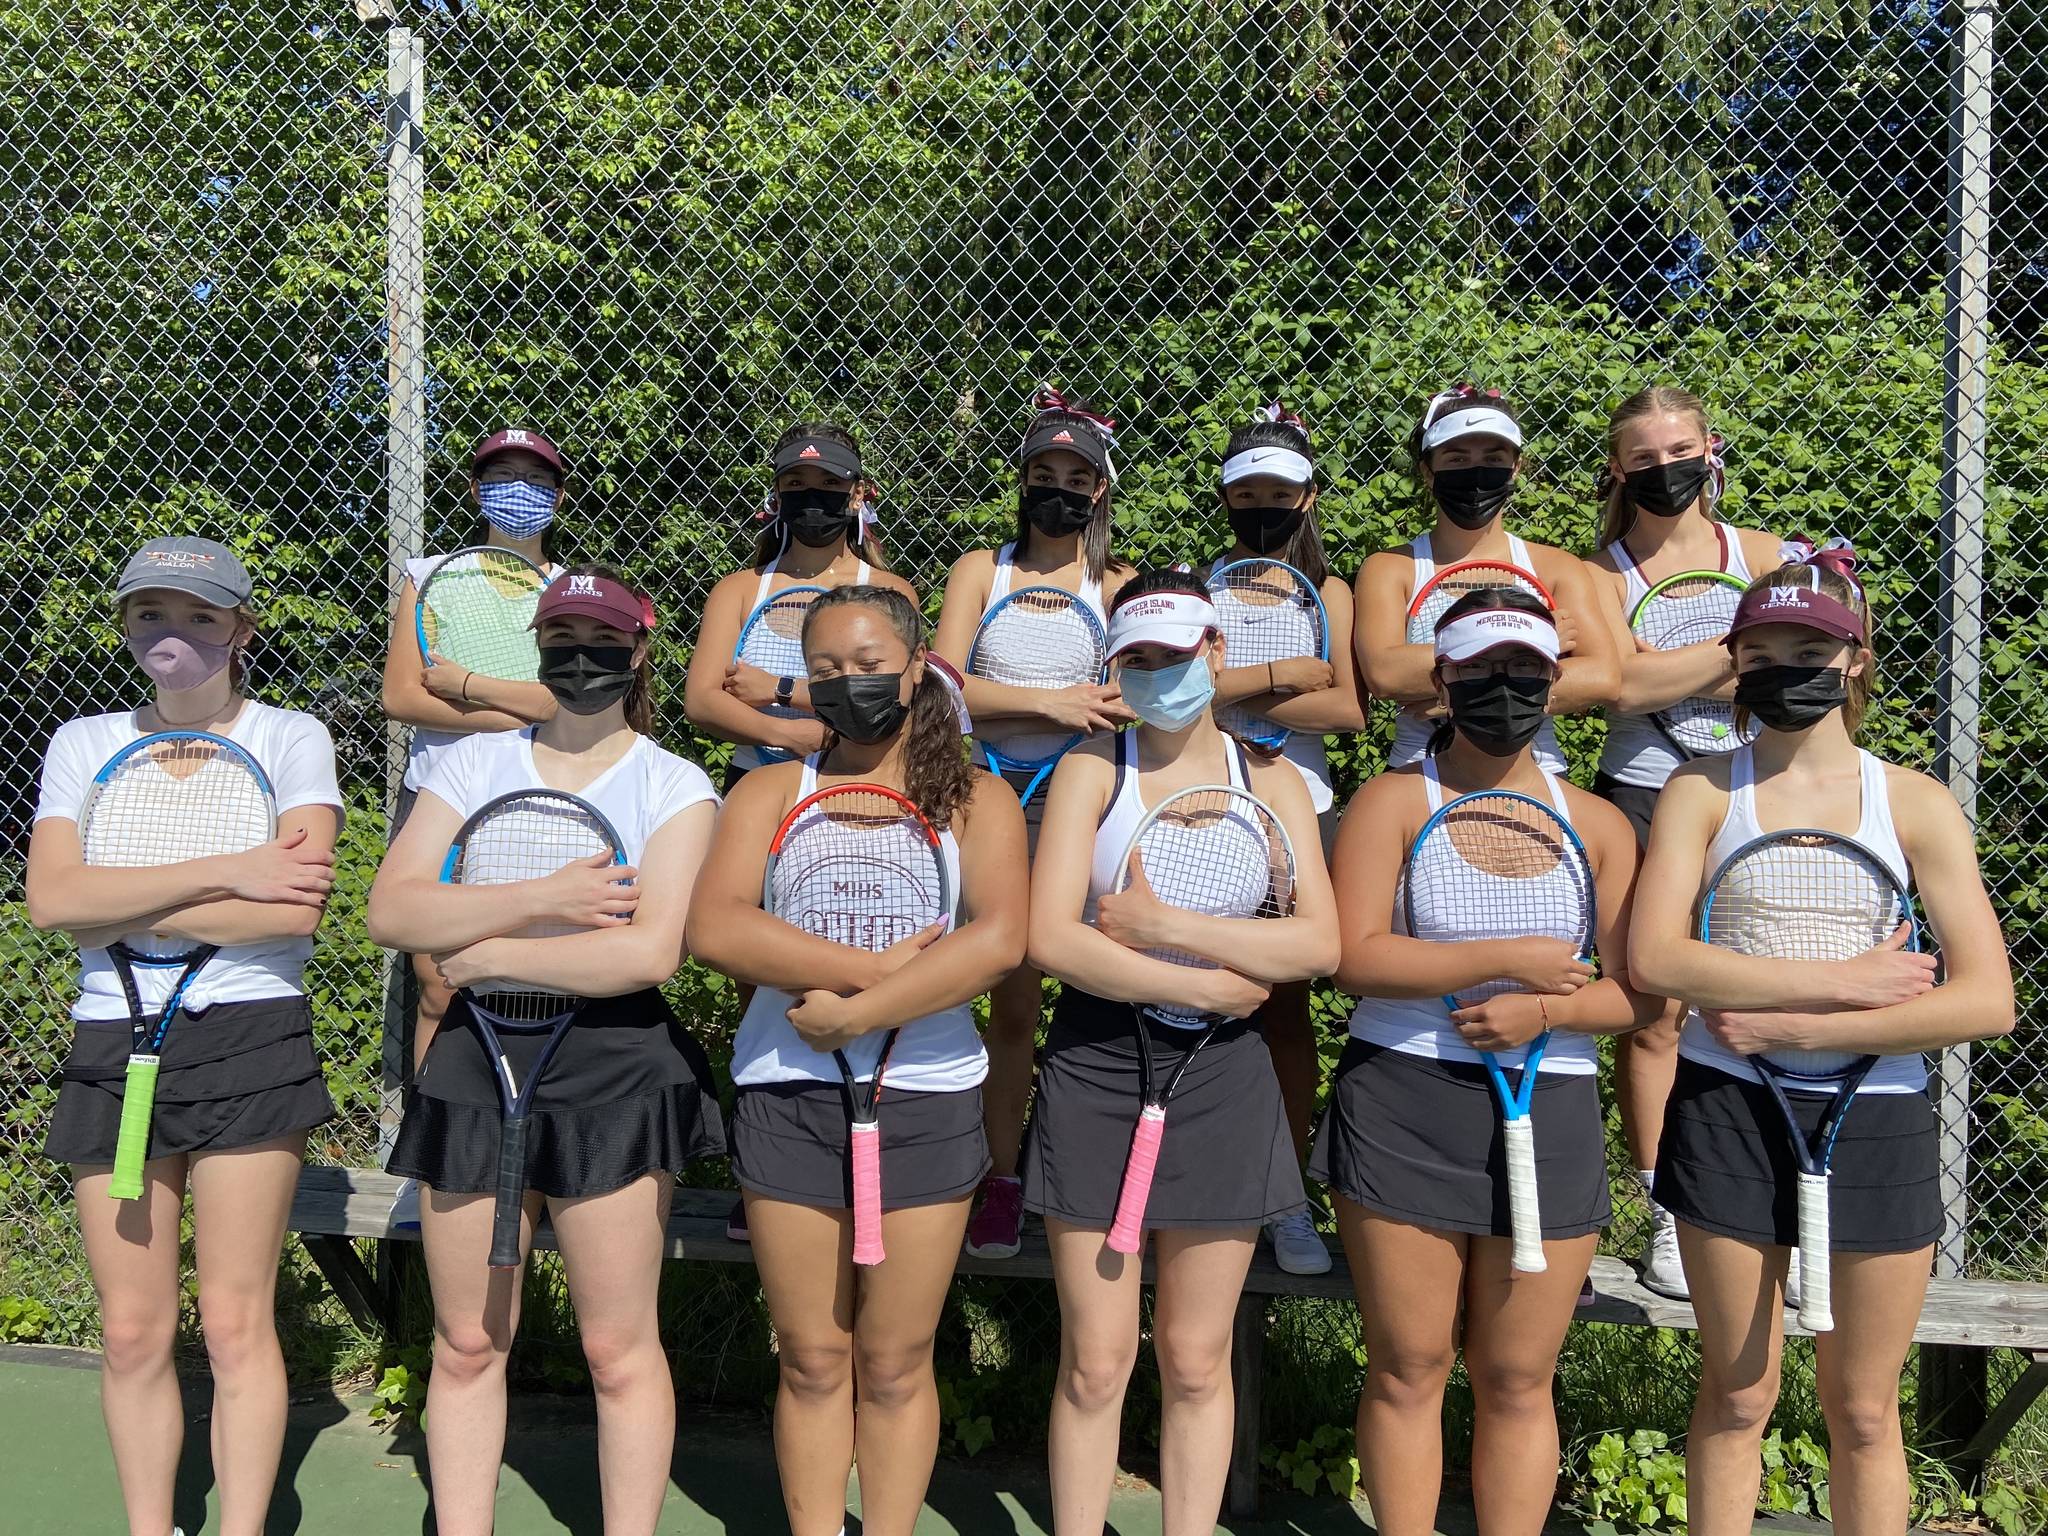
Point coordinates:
[(238, 1083)]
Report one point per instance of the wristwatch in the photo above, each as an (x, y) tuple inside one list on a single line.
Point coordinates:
[(785, 689)]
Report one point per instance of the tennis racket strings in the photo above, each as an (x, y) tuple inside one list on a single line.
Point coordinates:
[(1037, 637), (1805, 896), (1267, 614), (1453, 582), (1497, 867), (1692, 608), (187, 797), (476, 609), (529, 838), (1217, 851), (858, 868)]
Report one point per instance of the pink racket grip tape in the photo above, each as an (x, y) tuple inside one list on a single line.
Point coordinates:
[(1127, 1232), (867, 1193)]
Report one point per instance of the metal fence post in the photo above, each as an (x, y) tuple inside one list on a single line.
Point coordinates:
[(1953, 1380)]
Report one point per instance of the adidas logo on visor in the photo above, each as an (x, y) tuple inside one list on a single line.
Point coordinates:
[(810, 452), (1063, 437)]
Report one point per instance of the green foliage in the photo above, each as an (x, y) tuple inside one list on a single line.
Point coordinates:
[(1327, 1458), (24, 1320), (1795, 1478), (965, 1423), (400, 1397), (1635, 1483)]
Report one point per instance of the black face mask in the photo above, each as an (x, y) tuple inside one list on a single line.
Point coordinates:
[(1054, 510), (814, 517), (586, 678), (1667, 489), (1265, 530), (1792, 698), (1473, 497), (863, 707), (1499, 714)]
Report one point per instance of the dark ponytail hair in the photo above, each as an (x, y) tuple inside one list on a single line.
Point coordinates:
[(936, 773), (1304, 550), (772, 539), (1484, 600), (639, 697), (1081, 418)]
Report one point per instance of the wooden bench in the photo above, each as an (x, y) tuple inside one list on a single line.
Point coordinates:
[(336, 1206)]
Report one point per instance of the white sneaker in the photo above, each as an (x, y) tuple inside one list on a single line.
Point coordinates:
[(1792, 1293), (1662, 1269), (1297, 1246), (405, 1216)]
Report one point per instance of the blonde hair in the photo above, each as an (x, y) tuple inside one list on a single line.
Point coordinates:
[(1656, 400), (1843, 589)]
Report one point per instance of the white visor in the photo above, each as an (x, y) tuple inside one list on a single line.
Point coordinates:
[(1477, 633), (943, 670), (1176, 620), (1471, 421), (1281, 463)]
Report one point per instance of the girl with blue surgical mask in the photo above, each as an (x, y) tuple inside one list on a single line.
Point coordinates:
[(516, 479), (1226, 1165)]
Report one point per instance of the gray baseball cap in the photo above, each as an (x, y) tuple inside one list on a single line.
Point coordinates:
[(200, 567)]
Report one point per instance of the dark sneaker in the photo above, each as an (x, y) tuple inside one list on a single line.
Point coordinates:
[(997, 1227)]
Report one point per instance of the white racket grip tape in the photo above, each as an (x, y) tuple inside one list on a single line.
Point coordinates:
[(1127, 1232), (1816, 1303), (1525, 1215), (867, 1192)]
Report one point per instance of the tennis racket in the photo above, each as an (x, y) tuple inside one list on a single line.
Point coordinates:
[(1436, 595), (164, 799), (858, 864), (1036, 637), (772, 638), (526, 835), (476, 609), (1214, 849), (1499, 865), (1687, 609), (1808, 895), (1268, 612)]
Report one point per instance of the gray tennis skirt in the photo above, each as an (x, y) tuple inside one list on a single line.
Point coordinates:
[(233, 1075), (789, 1142), (1226, 1160), (1419, 1141), (1725, 1165)]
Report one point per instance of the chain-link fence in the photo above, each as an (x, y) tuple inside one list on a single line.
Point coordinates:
[(267, 272)]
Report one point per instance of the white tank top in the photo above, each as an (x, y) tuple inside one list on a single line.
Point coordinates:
[(1421, 1026), (747, 756), (1892, 1074), (1308, 751), (1120, 821), (1413, 727), (939, 1053), (1636, 752), (1016, 736)]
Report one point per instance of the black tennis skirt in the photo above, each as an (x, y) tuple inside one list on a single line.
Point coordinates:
[(1638, 804), (1419, 1141), (789, 1142), (628, 1094), (1226, 1161), (233, 1075), (1725, 1165)]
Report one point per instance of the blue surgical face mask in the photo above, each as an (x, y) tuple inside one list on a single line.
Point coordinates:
[(1168, 698), (519, 508)]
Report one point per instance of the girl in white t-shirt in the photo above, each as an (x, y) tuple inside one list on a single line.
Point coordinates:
[(239, 1084), (848, 1335), (627, 1100), (517, 479)]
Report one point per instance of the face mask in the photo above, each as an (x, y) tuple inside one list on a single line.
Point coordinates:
[(813, 517), (1265, 530), (1473, 497), (586, 678), (174, 660), (520, 509), (1667, 489), (1499, 714), (1169, 698), (861, 707), (1054, 510), (1792, 698)]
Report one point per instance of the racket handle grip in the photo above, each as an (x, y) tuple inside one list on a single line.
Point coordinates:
[(1816, 1284), (1525, 1215), (131, 1150), (866, 1154), (506, 1212), (1127, 1231)]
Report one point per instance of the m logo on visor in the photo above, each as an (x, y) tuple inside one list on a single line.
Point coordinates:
[(1785, 597), (583, 586), (515, 436)]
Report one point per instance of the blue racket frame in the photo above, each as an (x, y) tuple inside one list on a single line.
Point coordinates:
[(1276, 738), (772, 754), (1040, 768), (419, 612)]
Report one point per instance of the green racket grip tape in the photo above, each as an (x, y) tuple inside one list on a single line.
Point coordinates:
[(138, 1100)]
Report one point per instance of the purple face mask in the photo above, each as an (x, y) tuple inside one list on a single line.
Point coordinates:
[(175, 660)]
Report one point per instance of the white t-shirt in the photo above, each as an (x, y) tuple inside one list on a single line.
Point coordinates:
[(427, 743), (637, 794), (297, 753)]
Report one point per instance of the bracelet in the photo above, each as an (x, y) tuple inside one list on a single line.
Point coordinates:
[(1270, 686), (1542, 1010), (465, 686)]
